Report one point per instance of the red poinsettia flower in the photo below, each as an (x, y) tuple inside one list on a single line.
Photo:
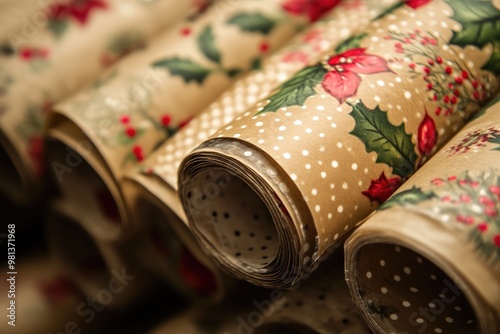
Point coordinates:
[(417, 3), (380, 190), (343, 80), (427, 135), (196, 275), (77, 9), (314, 9)]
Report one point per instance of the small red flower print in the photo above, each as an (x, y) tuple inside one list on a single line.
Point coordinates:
[(264, 47), (185, 122), (380, 190), (130, 132), (125, 119), (166, 120), (314, 9), (427, 135), (78, 10), (138, 153), (496, 240), (483, 227), (186, 31), (343, 80), (36, 153), (438, 182), (30, 54), (196, 275)]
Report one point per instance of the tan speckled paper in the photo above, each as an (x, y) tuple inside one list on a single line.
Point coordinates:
[(49, 50), (150, 95), (433, 249), (296, 172)]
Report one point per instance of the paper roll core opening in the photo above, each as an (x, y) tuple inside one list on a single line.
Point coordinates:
[(404, 292), (84, 188), (233, 217)]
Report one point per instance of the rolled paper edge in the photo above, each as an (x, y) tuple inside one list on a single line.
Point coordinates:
[(136, 186), (400, 226)]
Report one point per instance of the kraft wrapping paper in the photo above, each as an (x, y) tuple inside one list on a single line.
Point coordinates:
[(108, 274), (45, 298), (49, 50), (155, 204), (147, 97), (345, 20), (428, 259), (292, 175)]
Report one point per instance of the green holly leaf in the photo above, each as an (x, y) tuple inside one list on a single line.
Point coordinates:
[(256, 64), (392, 144), (206, 43), (389, 10), (495, 140), (253, 22), (295, 91), (350, 43), (493, 64), (411, 196), (233, 72), (185, 68), (480, 22), (58, 27)]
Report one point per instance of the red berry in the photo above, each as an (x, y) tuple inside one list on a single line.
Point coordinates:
[(459, 80), (137, 151), (496, 240), (427, 70), (398, 45), (476, 95), (439, 60), (26, 54), (264, 47), (429, 86), (446, 99), (448, 70), (456, 92), (431, 62), (432, 41), (424, 42), (438, 111), (495, 190), (465, 74), (130, 132), (125, 119), (412, 66), (186, 31), (483, 227), (413, 36), (475, 84), (454, 100), (166, 120)]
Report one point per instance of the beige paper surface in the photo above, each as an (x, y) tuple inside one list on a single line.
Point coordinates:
[(345, 20), (301, 168), (146, 98), (435, 244), (51, 49)]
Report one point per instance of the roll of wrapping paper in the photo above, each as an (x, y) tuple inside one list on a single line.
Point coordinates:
[(108, 274), (146, 98), (156, 205), (346, 19), (54, 49), (427, 260), (45, 299), (322, 304), (295, 173)]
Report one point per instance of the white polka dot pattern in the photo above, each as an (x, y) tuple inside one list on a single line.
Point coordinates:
[(343, 175), (443, 276)]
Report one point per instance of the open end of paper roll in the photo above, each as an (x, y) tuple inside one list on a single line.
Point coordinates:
[(75, 249), (233, 217), (403, 292), (171, 256), (81, 185), (10, 179)]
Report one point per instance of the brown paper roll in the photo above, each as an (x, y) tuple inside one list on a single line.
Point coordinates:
[(345, 20), (51, 50), (429, 257), (304, 166), (156, 205), (109, 274), (146, 98), (322, 304)]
